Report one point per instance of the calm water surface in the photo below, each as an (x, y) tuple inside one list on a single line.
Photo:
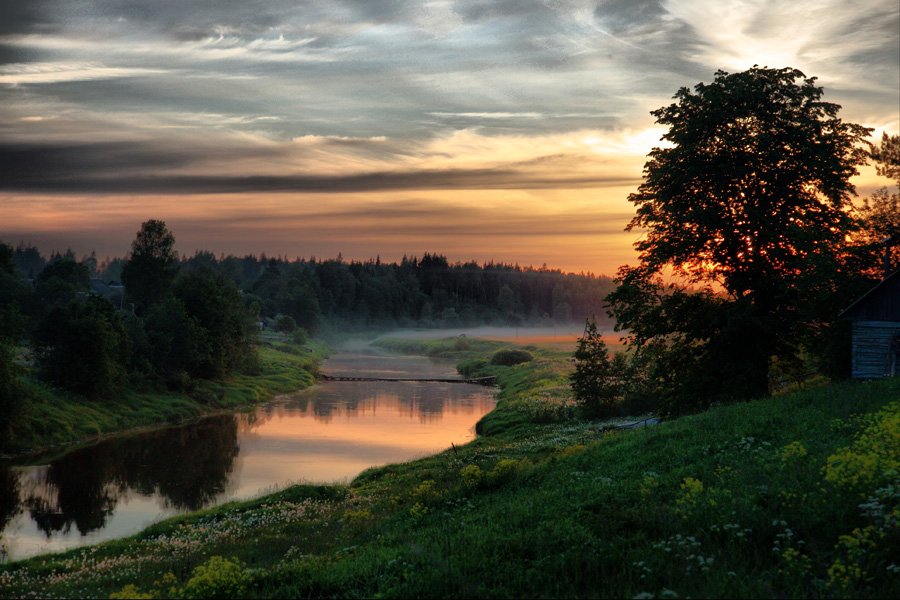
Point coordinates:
[(328, 433)]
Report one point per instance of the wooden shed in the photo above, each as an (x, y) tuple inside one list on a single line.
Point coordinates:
[(876, 330)]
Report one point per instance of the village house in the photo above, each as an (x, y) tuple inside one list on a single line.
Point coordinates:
[(876, 326)]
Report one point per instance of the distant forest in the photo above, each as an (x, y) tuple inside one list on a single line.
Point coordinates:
[(425, 292)]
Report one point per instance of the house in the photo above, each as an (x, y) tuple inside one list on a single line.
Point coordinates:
[(876, 327)]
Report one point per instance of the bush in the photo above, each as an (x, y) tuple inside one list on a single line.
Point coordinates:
[(285, 324), (300, 336), (471, 368), (217, 578), (508, 358)]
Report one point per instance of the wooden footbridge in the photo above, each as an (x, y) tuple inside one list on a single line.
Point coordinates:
[(476, 380)]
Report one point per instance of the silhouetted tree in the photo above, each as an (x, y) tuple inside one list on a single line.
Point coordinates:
[(748, 203), (69, 271), (214, 305), (152, 266), (596, 382), (29, 260), (82, 346), (880, 212)]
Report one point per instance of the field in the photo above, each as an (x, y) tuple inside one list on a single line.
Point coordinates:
[(792, 496)]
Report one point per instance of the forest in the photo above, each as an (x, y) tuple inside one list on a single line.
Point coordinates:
[(155, 320)]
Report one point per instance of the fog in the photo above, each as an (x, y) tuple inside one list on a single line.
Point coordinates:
[(522, 335)]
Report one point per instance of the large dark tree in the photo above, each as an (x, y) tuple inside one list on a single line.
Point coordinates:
[(747, 202), (82, 347), (152, 266)]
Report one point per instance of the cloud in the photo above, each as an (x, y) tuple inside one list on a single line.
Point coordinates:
[(824, 38), (525, 99), (32, 73), (53, 179)]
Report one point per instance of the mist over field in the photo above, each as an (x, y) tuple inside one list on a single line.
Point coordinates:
[(561, 333)]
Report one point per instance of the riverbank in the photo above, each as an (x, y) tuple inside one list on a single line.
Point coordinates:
[(52, 421), (792, 496)]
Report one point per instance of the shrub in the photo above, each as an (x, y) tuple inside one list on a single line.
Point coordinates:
[(461, 344), (217, 578), (508, 358), (130, 592), (472, 476), (471, 367), (300, 336), (285, 324)]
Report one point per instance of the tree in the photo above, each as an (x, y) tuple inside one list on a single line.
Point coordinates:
[(596, 382), (748, 204), (152, 266), (880, 213), (285, 324), (82, 347), (887, 157), (68, 271), (214, 304), (10, 385)]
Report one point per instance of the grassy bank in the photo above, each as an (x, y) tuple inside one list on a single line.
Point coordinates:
[(533, 392), (51, 418), (795, 496)]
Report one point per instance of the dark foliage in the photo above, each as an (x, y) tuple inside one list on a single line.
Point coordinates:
[(152, 266), (426, 292), (508, 358), (749, 203), (213, 305), (82, 347), (597, 380), (285, 324)]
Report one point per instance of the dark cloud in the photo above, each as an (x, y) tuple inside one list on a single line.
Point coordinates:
[(22, 17), (454, 179), (31, 164), (123, 168)]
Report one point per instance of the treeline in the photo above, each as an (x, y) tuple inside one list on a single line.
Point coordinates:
[(167, 328), (154, 320), (416, 292)]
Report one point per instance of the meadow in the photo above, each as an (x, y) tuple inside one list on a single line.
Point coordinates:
[(792, 496)]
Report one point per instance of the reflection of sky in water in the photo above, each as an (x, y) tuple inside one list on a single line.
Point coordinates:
[(328, 433)]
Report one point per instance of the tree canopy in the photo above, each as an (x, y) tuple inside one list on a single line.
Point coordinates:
[(152, 267), (748, 202)]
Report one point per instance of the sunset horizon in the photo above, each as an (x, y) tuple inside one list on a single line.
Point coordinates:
[(505, 133)]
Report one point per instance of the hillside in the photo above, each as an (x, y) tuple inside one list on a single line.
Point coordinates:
[(791, 496)]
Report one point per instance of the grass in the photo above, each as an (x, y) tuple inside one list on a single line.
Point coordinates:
[(794, 496), (51, 418)]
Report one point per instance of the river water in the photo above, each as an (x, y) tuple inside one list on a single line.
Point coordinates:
[(328, 433)]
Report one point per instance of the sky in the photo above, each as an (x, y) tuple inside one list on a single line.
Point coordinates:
[(504, 130)]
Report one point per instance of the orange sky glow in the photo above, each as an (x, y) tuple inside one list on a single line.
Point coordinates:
[(386, 129)]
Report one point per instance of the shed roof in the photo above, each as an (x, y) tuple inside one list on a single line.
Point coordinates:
[(881, 303)]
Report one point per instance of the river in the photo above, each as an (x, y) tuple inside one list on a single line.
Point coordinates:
[(328, 433)]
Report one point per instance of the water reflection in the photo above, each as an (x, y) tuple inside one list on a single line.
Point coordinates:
[(328, 433), (185, 467), (9, 496)]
